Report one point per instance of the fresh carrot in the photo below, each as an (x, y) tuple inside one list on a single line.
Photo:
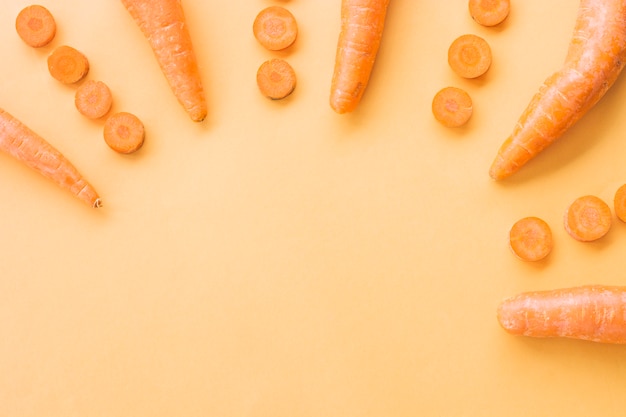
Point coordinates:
[(163, 23), (19, 141), (276, 79), (452, 106), (587, 218), (530, 239), (619, 203), (275, 28), (489, 12), (124, 132), (362, 23), (596, 56), (68, 65), (93, 99), (593, 312), (469, 56), (36, 26)]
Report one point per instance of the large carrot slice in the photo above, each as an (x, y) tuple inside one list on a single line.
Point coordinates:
[(36, 26)]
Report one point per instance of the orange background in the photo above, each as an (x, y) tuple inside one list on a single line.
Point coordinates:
[(279, 259)]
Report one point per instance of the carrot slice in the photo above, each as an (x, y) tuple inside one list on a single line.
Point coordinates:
[(124, 132), (530, 239), (276, 79), (619, 203), (35, 25), (93, 99), (275, 28), (452, 106), (68, 65), (489, 12), (469, 56), (588, 218)]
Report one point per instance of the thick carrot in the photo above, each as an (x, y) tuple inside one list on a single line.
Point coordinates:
[(587, 218), (596, 57), (469, 56), (489, 12), (93, 99), (595, 313), (452, 106), (163, 23), (362, 23), (68, 65), (275, 28), (35, 25), (276, 79), (619, 203), (124, 132), (530, 239), (25, 145)]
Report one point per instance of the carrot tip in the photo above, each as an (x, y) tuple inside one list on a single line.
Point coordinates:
[(97, 203)]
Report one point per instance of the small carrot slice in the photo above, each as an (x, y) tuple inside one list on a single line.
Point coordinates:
[(275, 28), (469, 56), (452, 106), (530, 239), (276, 79), (489, 12), (619, 203), (35, 25), (93, 99), (588, 218), (124, 132), (68, 65)]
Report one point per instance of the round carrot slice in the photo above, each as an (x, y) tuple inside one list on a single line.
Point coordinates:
[(619, 203), (93, 99), (68, 65), (469, 56), (276, 79), (36, 26), (489, 12), (530, 239), (124, 132), (275, 28), (588, 218), (452, 106)]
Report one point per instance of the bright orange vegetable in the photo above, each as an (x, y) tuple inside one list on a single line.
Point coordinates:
[(163, 23), (596, 57), (489, 12), (36, 26), (469, 56), (619, 203), (93, 99), (276, 79), (452, 106), (22, 143), (124, 132), (530, 239), (68, 65), (595, 313), (587, 218), (275, 28), (362, 23)]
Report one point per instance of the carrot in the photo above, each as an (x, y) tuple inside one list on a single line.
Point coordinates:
[(489, 12), (36, 26), (19, 141), (68, 65), (587, 218), (619, 203), (275, 28), (163, 23), (362, 23), (592, 312), (93, 99), (276, 79), (469, 56), (124, 132), (596, 56), (452, 106), (530, 239)]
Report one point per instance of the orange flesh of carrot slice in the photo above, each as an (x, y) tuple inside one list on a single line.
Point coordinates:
[(36, 26), (619, 203), (588, 218), (275, 28), (93, 99), (124, 132), (489, 12), (530, 239), (452, 106), (469, 56), (276, 79), (68, 65)]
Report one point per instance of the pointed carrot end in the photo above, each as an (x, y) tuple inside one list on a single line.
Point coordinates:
[(97, 203)]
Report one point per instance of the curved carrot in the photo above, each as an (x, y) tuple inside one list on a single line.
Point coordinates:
[(36, 26), (362, 23), (595, 313), (22, 143), (596, 56), (163, 23), (587, 218)]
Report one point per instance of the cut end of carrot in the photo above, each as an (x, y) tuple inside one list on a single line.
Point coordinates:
[(530, 239), (36, 26), (276, 79), (489, 12), (469, 56), (275, 28), (588, 218), (619, 203), (124, 132), (93, 99), (97, 203), (452, 106), (68, 65)]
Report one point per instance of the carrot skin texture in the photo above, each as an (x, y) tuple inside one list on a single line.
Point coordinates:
[(595, 58), (19, 141), (163, 23), (595, 313), (362, 23)]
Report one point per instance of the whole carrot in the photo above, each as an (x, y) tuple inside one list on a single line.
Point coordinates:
[(596, 56), (594, 312), (22, 143), (163, 23), (362, 23)]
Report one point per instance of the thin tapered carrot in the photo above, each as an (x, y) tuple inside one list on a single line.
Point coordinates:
[(530, 239), (362, 23), (596, 57), (124, 132), (489, 12), (68, 65), (276, 79), (93, 99), (619, 203), (452, 106), (19, 141), (275, 28), (163, 23), (469, 56), (587, 218), (35, 25), (593, 312)]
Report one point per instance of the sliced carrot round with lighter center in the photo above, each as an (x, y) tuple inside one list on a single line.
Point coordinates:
[(93, 99), (452, 106), (469, 56), (530, 239), (489, 12), (275, 28), (124, 132), (588, 218), (276, 79), (619, 203), (68, 65), (35, 25)]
